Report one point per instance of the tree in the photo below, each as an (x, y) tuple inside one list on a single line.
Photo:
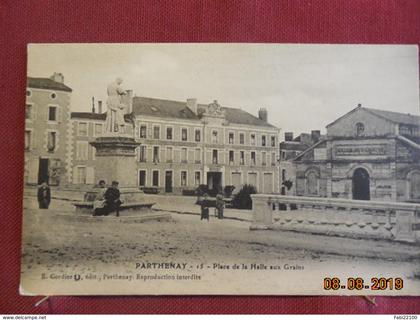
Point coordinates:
[(242, 199)]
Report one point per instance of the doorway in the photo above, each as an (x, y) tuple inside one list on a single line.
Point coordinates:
[(361, 184), (168, 181), (214, 182), (43, 171)]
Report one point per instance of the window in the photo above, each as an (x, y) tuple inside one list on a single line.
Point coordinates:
[(142, 154), (273, 159), (231, 138), (29, 109), (28, 93), (169, 133), (184, 155), (92, 152), (242, 158), (82, 129), (252, 139), (214, 136), (184, 134), (197, 178), (283, 175), (264, 158), (28, 137), (155, 178), (183, 178), (405, 130), (53, 95), (81, 175), (263, 141), (155, 154), (169, 152), (143, 131), (283, 155), (52, 113), (253, 158), (98, 129), (231, 157), (197, 155), (142, 178), (52, 141), (156, 132), (360, 129), (273, 141), (197, 135), (241, 138), (215, 158), (82, 150)]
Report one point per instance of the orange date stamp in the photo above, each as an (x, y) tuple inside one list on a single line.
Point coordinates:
[(358, 283)]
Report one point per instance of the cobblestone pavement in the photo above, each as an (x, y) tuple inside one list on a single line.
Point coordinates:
[(57, 241)]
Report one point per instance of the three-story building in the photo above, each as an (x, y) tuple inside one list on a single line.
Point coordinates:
[(47, 124), (185, 144)]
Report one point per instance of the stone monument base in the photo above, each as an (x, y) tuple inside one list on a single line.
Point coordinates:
[(116, 161)]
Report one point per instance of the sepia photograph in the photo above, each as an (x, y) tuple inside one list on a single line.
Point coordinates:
[(221, 169)]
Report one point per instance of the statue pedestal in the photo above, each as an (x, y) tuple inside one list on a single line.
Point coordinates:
[(116, 161)]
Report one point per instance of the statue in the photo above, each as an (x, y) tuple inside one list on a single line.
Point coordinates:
[(115, 109), (215, 108)]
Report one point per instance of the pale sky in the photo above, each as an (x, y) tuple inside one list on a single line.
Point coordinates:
[(303, 87)]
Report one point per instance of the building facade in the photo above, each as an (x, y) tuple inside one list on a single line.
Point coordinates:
[(290, 148), (367, 154), (47, 124), (185, 144)]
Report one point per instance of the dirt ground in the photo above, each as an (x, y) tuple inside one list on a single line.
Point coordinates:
[(55, 240)]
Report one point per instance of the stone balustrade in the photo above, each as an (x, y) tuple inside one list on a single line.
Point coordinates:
[(352, 218)]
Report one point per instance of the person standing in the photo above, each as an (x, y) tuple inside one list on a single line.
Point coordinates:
[(44, 195), (220, 205), (204, 208), (112, 199)]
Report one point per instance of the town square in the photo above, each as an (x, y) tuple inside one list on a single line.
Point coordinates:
[(128, 185)]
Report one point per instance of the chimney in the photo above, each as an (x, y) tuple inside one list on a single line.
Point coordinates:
[(263, 115), (192, 105), (93, 104), (315, 135), (127, 99), (288, 136), (99, 106), (57, 77)]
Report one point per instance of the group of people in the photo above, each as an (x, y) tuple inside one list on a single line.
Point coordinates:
[(107, 199), (205, 204)]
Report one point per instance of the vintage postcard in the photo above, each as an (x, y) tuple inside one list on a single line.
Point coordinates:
[(221, 169)]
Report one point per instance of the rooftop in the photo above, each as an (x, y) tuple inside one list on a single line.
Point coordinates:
[(179, 110), (395, 117), (47, 83)]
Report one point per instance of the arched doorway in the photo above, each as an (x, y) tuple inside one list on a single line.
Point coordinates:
[(361, 184)]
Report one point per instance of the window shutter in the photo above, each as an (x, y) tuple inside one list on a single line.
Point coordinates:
[(33, 170), (34, 109), (75, 181), (90, 175)]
